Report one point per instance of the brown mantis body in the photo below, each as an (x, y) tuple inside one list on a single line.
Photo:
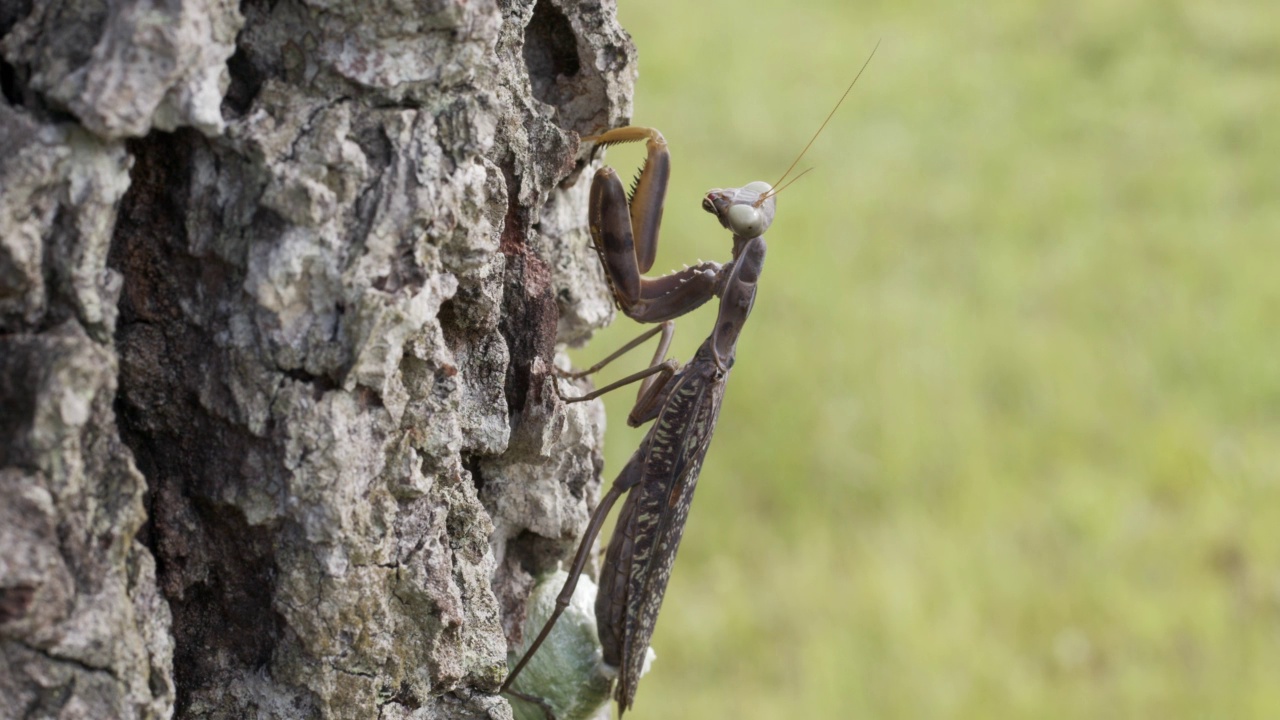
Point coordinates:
[(683, 402)]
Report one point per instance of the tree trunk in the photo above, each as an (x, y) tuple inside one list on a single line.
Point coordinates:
[(281, 289)]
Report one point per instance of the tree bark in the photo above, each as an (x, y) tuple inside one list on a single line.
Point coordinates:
[(282, 285)]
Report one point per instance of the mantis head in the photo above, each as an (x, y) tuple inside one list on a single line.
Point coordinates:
[(741, 210)]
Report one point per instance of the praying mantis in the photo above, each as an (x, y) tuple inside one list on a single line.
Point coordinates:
[(683, 403)]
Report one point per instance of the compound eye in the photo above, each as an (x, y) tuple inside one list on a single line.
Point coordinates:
[(745, 221)]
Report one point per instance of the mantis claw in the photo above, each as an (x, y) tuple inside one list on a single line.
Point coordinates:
[(624, 231)]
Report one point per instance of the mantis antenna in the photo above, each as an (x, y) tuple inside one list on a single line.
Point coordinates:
[(821, 127), (776, 193)]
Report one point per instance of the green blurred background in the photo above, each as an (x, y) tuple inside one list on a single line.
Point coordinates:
[(1003, 439)]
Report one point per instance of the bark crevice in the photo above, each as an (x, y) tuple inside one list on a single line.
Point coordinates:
[(282, 285)]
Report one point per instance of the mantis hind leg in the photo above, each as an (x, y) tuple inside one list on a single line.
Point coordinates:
[(628, 478)]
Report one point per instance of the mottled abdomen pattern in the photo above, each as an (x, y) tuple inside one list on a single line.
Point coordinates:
[(640, 557)]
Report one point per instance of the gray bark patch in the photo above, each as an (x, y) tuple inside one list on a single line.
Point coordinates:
[(282, 288)]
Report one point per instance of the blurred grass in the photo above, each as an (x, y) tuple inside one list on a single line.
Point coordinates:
[(1003, 439)]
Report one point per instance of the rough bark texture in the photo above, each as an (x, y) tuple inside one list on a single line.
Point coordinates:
[(281, 288)]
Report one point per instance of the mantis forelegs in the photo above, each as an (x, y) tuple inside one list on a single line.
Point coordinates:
[(625, 232)]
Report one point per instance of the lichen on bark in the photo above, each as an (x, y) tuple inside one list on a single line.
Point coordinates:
[(282, 285)]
